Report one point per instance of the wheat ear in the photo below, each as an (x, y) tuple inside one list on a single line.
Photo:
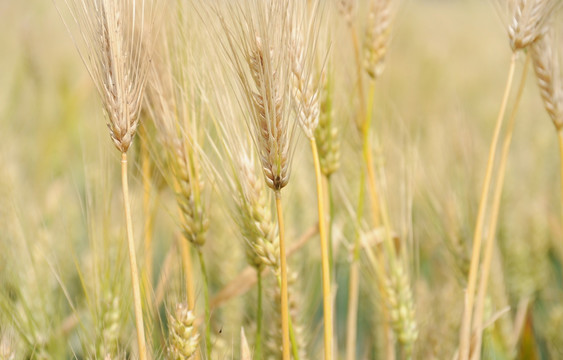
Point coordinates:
[(528, 20), (115, 44), (545, 58), (183, 338)]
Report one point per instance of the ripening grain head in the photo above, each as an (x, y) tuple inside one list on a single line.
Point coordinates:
[(257, 39), (545, 58), (303, 52), (114, 39), (377, 36), (528, 21), (183, 338), (239, 177), (177, 119)]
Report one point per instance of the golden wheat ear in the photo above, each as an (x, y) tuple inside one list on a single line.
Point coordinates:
[(115, 41), (528, 21), (545, 59)]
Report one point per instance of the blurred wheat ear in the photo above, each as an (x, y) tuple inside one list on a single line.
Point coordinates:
[(546, 61), (114, 39)]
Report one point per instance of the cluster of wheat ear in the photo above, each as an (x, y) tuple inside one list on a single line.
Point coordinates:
[(212, 102)]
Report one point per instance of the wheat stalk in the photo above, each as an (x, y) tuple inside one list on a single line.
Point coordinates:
[(527, 24), (115, 44), (487, 257), (256, 42), (306, 96)]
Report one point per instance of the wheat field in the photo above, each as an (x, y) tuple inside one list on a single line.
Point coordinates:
[(322, 179)]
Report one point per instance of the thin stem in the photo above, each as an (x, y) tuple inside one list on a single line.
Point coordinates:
[(328, 191), (147, 213), (488, 255), (354, 282), (188, 278), (372, 182), (327, 304), (293, 340), (283, 266), (376, 205), (352, 319), (465, 331), (560, 140), (133, 263), (207, 308), (258, 342), (359, 71), (188, 272)]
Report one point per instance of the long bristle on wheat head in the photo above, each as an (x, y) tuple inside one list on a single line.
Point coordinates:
[(114, 39)]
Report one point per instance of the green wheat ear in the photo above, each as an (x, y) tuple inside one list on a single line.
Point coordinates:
[(183, 338)]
